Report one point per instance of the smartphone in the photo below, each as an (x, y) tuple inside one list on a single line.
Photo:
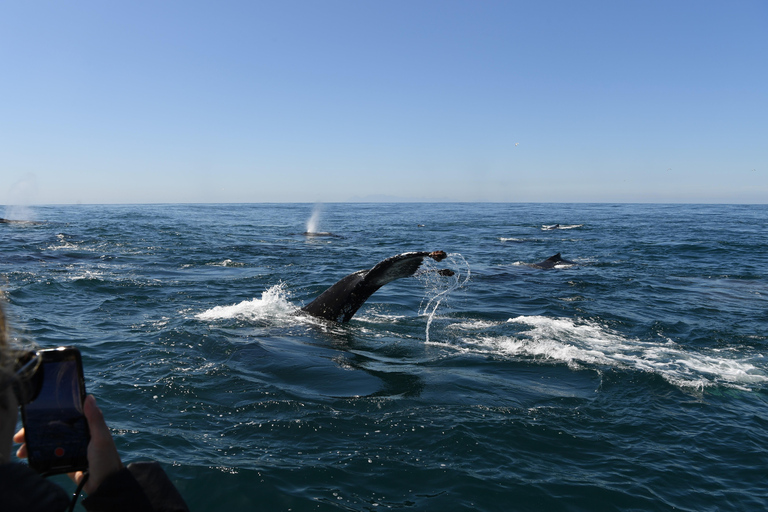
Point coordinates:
[(55, 428)]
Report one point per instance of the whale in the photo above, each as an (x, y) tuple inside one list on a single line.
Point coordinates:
[(552, 227), (321, 234), (552, 262), (12, 221), (340, 302)]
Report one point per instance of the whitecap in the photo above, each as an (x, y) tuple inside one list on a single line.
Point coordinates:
[(273, 305), (585, 343)]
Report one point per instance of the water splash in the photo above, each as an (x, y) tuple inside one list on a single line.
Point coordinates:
[(586, 343), (440, 287), (274, 306), (552, 227)]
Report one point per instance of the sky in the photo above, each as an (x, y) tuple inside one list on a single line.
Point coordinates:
[(399, 100)]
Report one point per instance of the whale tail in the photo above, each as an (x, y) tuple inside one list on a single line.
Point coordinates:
[(342, 300)]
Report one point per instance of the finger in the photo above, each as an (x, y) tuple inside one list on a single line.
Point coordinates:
[(76, 476), (18, 437)]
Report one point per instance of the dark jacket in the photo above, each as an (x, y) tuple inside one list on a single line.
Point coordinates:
[(141, 487)]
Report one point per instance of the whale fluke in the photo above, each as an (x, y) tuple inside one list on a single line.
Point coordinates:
[(342, 300), (553, 261)]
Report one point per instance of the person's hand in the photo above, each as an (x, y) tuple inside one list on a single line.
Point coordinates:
[(103, 459), (18, 437)]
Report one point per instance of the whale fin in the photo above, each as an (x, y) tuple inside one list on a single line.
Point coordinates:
[(342, 300), (552, 261)]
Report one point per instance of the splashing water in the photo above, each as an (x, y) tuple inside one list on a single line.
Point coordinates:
[(585, 343), (273, 307), (439, 287)]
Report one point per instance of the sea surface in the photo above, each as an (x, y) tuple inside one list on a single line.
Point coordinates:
[(634, 378)]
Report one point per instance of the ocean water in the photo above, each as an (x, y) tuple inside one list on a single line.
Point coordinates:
[(634, 378)]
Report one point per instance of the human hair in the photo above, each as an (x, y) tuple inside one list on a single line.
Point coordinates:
[(7, 361), (10, 353), (13, 351)]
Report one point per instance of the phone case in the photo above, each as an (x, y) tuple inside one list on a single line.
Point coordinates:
[(55, 429)]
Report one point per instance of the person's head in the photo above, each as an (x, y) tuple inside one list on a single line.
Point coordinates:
[(11, 359), (12, 354)]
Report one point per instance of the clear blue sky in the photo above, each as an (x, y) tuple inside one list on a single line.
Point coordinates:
[(325, 100)]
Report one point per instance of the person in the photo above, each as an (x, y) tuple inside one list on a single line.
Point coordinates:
[(110, 485)]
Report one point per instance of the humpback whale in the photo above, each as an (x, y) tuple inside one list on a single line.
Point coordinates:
[(342, 300), (552, 262)]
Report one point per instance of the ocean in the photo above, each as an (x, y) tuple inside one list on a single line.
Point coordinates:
[(633, 378)]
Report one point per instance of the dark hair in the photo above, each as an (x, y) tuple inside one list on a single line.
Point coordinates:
[(13, 352), (6, 361)]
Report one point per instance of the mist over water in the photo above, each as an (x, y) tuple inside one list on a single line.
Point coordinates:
[(633, 379)]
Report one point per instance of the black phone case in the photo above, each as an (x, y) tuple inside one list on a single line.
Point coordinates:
[(57, 439)]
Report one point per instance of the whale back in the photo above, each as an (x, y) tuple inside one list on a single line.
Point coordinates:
[(552, 261)]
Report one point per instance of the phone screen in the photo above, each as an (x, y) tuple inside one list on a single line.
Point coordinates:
[(55, 429)]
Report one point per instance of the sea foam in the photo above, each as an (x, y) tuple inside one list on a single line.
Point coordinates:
[(585, 343), (273, 305)]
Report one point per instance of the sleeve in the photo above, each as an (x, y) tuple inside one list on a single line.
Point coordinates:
[(141, 487), (23, 489)]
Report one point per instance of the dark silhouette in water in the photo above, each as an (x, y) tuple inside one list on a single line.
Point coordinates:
[(552, 262), (321, 234), (11, 221), (342, 300)]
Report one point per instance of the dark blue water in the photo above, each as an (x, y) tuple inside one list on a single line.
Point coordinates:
[(633, 379)]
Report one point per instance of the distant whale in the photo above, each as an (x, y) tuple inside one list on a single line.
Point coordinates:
[(321, 234), (11, 221), (342, 300), (552, 262), (551, 227)]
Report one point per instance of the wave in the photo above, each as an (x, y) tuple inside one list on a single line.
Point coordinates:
[(585, 343), (550, 227), (512, 239), (274, 306), (62, 244), (226, 263)]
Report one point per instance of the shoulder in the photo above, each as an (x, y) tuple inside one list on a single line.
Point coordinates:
[(24, 490)]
